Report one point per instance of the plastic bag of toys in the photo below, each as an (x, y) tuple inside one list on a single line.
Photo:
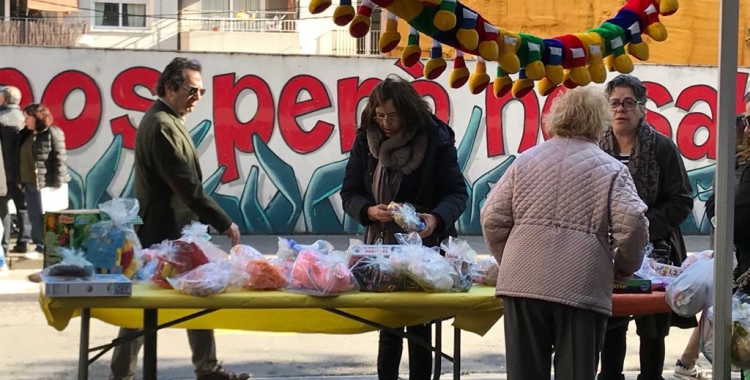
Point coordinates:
[(485, 271), (239, 256), (113, 246), (405, 215), (205, 280), (425, 266), (692, 291), (462, 257), (174, 258), (73, 264), (318, 274), (741, 330), (197, 233), (375, 274)]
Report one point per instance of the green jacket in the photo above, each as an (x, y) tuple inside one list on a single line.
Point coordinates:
[(168, 179)]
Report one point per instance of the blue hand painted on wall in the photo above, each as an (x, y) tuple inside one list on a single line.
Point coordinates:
[(281, 214)]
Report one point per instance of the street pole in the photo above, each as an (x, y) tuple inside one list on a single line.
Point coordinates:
[(724, 187)]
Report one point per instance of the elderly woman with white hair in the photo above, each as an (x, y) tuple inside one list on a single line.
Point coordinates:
[(564, 222)]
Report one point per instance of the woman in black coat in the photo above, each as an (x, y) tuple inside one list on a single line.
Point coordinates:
[(403, 153)]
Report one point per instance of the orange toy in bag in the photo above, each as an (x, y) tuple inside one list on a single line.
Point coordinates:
[(175, 258), (264, 275)]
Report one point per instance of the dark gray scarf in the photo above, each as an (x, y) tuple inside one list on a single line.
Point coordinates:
[(643, 164)]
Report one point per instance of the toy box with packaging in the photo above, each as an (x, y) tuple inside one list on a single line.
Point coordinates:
[(67, 229)]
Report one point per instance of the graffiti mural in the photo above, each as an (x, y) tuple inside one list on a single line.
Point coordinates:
[(275, 131)]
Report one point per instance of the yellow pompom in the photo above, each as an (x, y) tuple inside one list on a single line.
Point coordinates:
[(580, 76), (623, 64), (534, 71), (318, 6), (639, 50), (546, 86), (522, 87), (502, 86), (389, 41), (444, 20), (668, 7), (554, 74), (360, 26), (468, 38), (343, 14), (434, 68), (657, 31), (598, 72), (458, 77), (478, 82), (488, 50), (410, 55)]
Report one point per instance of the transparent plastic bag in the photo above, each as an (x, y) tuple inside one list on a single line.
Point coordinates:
[(707, 334), (197, 233), (205, 280), (318, 274), (375, 274), (692, 291), (405, 215), (239, 256), (175, 258), (73, 264), (460, 254), (485, 271), (113, 246), (741, 330), (289, 249), (425, 266)]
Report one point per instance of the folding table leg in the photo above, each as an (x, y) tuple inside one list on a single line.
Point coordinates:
[(456, 353), (150, 322), (83, 345), (438, 365)]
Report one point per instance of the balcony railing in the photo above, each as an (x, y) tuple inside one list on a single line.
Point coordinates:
[(345, 44), (40, 32), (241, 22)]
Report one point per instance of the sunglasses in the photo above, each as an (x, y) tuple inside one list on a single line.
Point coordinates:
[(193, 91)]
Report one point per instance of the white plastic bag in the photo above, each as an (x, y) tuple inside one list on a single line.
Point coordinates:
[(693, 289)]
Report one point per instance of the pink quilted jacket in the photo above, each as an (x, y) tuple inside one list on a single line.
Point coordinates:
[(547, 220)]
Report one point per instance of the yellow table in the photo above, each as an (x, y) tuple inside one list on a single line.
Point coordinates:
[(151, 308)]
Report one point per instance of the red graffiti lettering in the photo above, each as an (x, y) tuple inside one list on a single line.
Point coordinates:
[(230, 132), (12, 77), (124, 95), (436, 92), (494, 108), (290, 109), (693, 121), (80, 129), (741, 86), (661, 97), (350, 93), (416, 71)]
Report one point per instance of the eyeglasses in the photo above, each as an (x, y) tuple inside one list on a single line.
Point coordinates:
[(193, 91), (745, 120), (390, 119), (628, 104)]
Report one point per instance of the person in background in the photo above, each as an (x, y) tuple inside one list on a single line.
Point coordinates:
[(403, 153), (11, 123), (662, 182), (547, 224), (169, 189), (42, 162)]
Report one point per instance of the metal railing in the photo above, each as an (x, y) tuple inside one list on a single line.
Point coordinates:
[(241, 22), (40, 32), (345, 44)]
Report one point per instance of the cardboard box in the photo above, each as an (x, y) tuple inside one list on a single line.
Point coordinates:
[(68, 229), (98, 285)]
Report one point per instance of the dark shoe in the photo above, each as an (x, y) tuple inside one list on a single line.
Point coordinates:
[(20, 248), (222, 374)]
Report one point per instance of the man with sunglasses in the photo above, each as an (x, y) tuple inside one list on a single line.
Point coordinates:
[(169, 188)]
